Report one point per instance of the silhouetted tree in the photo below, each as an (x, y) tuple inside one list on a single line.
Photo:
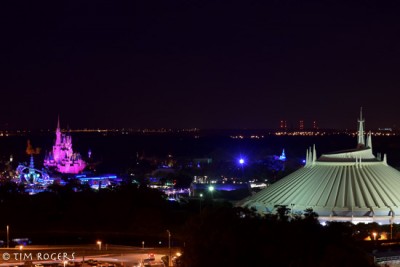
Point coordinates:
[(283, 212), (310, 215)]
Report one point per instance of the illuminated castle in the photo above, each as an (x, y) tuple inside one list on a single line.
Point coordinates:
[(63, 157)]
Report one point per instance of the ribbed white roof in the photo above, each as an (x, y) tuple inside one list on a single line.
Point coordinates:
[(346, 185)]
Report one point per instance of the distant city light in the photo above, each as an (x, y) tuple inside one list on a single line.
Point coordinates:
[(211, 188)]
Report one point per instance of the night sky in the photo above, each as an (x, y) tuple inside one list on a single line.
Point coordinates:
[(205, 64)]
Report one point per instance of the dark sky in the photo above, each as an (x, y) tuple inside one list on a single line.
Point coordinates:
[(206, 64)]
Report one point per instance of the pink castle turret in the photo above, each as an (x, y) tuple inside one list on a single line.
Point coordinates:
[(63, 157)]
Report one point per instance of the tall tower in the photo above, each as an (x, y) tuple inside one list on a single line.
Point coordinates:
[(360, 134), (301, 125), (283, 125), (315, 127)]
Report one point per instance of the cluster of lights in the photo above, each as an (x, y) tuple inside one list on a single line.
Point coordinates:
[(301, 133), (384, 134), (314, 133), (260, 185), (282, 132), (237, 137), (105, 130), (223, 180)]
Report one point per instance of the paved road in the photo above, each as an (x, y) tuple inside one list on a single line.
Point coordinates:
[(119, 255)]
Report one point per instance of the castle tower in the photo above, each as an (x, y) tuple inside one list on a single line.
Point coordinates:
[(315, 127), (301, 125), (58, 131)]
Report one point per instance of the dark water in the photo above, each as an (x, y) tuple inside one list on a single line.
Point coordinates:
[(117, 152)]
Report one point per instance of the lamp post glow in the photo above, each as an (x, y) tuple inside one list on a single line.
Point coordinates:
[(374, 234), (99, 244), (169, 247), (242, 162), (8, 236), (65, 262), (201, 198), (211, 189)]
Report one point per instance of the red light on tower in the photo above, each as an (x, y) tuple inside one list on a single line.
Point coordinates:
[(301, 125), (283, 125), (315, 125)]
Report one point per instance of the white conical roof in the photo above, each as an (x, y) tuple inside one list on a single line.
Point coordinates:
[(350, 185)]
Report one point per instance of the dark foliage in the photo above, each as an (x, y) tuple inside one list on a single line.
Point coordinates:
[(210, 233), (75, 210), (225, 236)]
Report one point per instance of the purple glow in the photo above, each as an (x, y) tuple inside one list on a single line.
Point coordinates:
[(241, 161), (63, 157)]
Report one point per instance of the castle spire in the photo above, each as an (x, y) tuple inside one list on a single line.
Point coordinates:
[(361, 142), (58, 132)]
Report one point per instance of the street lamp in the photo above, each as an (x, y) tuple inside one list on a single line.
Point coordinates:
[(8, 236), (201, 198), (142, 244), (99, 244), (65, 262), (241, 162), (211, 189), (169, 247)]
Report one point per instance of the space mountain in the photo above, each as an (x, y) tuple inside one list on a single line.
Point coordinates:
[(349, 185)]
